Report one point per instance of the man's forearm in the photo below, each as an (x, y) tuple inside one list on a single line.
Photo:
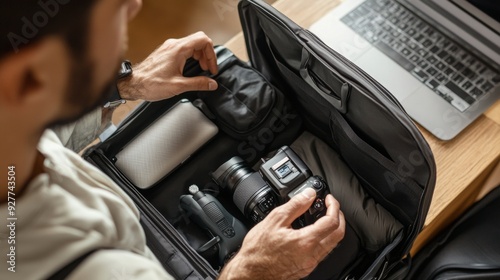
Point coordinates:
[(241, 269), (132, 88)]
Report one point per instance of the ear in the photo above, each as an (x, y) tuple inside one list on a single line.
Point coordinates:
[(34, 75)]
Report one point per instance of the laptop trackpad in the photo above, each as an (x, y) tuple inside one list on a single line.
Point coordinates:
[(387, 72)]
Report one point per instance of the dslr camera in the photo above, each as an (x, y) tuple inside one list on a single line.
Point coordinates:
[(278, 180)]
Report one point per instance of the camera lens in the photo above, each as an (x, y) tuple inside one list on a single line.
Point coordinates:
[(251, 194), (229, 174)]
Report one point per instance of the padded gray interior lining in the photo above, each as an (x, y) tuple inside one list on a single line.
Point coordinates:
[(373, 224)]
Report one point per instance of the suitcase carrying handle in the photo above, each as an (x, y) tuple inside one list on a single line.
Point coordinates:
[(339, 103)]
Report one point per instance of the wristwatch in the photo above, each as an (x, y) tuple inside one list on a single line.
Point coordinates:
[(107, 127), (115, 99)]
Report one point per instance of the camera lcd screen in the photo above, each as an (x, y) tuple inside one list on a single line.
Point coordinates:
[(283, 170)]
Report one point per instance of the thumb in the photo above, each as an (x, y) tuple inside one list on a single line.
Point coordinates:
[(199, 83), (297, 206)]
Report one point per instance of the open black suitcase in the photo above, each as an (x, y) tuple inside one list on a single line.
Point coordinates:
[(332, 99)]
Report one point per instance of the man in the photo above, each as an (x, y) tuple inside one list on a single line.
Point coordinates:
[(58, 61)]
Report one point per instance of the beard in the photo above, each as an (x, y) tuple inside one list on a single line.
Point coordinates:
[(79, 95)]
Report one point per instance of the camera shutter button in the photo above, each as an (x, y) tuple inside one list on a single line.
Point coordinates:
[(316, 184)]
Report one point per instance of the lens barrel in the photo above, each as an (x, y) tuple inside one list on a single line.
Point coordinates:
[(247, 186)]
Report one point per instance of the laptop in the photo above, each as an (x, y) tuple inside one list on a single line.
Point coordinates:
[(439, 58)]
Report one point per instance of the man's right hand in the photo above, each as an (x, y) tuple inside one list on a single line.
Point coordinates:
[(274, 250), (160, 75)]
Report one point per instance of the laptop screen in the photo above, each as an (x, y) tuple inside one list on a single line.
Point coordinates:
[(485, 11), (475, 23)]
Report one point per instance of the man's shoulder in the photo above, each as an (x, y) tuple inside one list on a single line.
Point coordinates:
[(66, 168)]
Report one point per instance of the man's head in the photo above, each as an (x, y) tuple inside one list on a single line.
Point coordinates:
[(58, 58)]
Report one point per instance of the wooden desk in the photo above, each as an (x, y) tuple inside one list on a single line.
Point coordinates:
[(462, 163)]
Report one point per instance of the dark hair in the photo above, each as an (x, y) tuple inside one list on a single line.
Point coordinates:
[(24, 22)]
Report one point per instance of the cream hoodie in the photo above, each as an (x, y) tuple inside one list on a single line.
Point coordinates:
[(69, 210)]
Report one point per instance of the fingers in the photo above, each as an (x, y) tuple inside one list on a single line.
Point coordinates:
[(199, 83), (298, 205), (327, 231), (328, 224), (332, 240), (211, 58), (200, 47)]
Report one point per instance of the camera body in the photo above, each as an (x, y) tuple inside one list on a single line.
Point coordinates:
[(278, 180)]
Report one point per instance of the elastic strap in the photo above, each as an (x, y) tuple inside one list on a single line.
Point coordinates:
[(64, 272)]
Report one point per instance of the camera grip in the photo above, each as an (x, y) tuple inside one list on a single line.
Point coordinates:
[(318, 208)]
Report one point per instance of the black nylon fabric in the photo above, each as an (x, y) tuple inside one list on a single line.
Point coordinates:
[(468, 249), (246, 104), (243, 100), (171, 259)]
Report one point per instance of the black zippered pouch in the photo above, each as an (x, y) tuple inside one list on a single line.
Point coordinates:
[(245, 101)]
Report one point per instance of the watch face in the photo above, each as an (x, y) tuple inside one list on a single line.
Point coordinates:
[(125, 70)]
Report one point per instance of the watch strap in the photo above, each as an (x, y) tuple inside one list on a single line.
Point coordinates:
[(115, 99)]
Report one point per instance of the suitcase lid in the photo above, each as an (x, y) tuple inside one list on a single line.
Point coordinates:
[(370, 109)]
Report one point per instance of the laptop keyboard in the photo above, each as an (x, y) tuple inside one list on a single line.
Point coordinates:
[(449, 70)]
